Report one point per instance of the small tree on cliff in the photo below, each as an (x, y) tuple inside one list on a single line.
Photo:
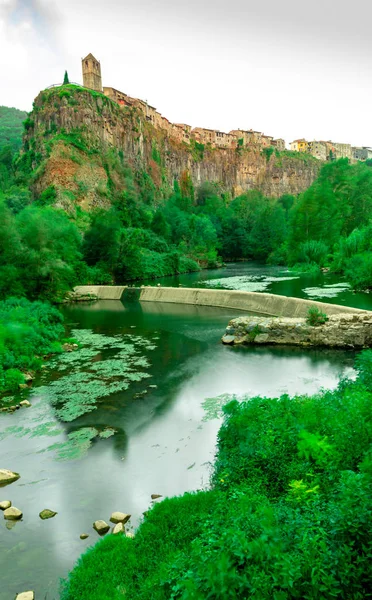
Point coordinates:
[(66, 79)]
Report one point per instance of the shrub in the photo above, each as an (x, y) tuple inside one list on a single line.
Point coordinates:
[(313, 251), (316, 317)]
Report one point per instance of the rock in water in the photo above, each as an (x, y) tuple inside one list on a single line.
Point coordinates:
[(7, 477), (5, 504), (101, 527), (25, 596), (47, 514), (119, 528), (84, 536), (155, 496), (119, 517), (228, 339), (25, 403), (13, 514)]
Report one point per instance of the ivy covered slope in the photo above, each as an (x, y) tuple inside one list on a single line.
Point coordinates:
[(11, 127), (288, 514)]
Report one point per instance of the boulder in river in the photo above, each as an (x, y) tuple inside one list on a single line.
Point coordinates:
[(13, 514), (84, 536), (119, 517), (101, 527), (7, 477), (119, 528), (25, 596), (47, 514), (4, 504), (155, 496)]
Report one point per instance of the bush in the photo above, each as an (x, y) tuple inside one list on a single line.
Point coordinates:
[(316, 317), (28, 330), (313, 251)]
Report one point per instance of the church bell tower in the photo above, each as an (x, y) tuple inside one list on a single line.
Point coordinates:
[(92, 73)]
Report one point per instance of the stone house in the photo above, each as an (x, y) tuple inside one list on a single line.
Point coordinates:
[(318, 149)]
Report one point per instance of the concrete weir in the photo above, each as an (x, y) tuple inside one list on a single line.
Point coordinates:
[(251, 302)]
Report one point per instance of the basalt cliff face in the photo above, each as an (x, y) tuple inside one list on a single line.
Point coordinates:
[(74, 135)]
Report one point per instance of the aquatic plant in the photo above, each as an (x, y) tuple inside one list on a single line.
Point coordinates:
[(104, 365)]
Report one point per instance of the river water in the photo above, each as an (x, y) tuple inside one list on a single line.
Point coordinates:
[(136, 412)]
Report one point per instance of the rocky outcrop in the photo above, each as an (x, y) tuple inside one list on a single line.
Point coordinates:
[(84, 127), (4, 504), (340, 331), (7, 477)]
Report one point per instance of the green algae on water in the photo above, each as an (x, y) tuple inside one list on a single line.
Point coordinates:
[(104, 365)]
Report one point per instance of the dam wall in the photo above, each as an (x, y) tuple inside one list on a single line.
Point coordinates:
[(251, 302)]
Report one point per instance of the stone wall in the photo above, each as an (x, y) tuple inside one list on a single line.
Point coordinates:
[(253, 302), (340, 331)]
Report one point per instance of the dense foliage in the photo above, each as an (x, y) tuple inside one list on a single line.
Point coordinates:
[(330, 223), (11, 127), (288, 515), (28, 331)]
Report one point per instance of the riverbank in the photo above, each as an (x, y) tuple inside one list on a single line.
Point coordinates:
[(290, 477), (29, 331)]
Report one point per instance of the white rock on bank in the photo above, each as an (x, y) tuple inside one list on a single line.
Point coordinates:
[(13, 514), (4, 504), (25, 403), (119, 517), (119, 528), (101, 527), (25, 596), (7, 477), (129, 534)]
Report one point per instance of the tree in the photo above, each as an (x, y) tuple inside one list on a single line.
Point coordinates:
[(66, 79)]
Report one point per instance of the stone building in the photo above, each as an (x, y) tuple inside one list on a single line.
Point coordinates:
[(342, 150), (92, 73), (318, 150), (181, 132), (363, 153), (300, 145), (279, 144)]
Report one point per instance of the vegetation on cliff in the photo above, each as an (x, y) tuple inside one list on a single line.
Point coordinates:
[(287, 515)]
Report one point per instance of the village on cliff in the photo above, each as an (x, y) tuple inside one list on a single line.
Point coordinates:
[(322, 150)]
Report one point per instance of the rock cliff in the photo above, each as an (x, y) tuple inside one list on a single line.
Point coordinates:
[(340, 331), (71, 132)]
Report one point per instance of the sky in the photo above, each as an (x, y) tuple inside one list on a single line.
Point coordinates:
[(288, 68)]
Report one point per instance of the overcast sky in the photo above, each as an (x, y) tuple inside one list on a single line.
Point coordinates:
[(288, 68)]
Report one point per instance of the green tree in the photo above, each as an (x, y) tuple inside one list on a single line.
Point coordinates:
[(66, 79)]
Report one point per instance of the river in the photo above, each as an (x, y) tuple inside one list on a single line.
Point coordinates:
[(136, 412)]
